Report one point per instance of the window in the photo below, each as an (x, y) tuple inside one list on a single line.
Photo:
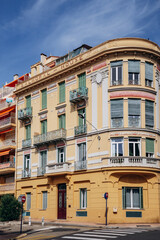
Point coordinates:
[(116, 113), (83, 198), (134, 147), (117, 147), (132, 197), (62, 121), (116, 73), (61, 155), (44, 204), (61, 92), (28, 198), (82, 80), (133, 72), (28, 101), (27, 162), (44, 98), (28, 131), (82, 152), (43, 161), (149, 147), (134, 112), (149, 113), (148, 74), (44, 127)]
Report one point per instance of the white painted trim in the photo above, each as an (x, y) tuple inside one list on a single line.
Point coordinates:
[(52, 90), (105, 102), (70, 83), (35, 97), (70, 159), (95, 161), (19, 167), (96, 154), (34, 164), (94, 104), (51, 161), (19, 103), (19, 172), (34, 170)]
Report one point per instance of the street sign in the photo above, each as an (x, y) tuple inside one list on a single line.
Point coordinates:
[(106, 195), (23, 199)]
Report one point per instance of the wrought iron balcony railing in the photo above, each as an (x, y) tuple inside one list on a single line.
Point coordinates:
[(41, 171), (80, 165), (78, 94), (26, 173), (26, 143), (80, 130), (25, 113), (49, 137)]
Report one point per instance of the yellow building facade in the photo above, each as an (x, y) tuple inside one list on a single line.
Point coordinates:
[(89, 123)]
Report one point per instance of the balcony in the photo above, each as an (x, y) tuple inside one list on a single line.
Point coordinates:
[(7, 188), (26, 143), (7, 122), (134, 162), (80, 165), (7, 167), (25, 113), (4, 104), (78, 94), (41, 171), (9, 143), (26, 173), (80, 130), (50, 137), (58, 168), (6, 91)]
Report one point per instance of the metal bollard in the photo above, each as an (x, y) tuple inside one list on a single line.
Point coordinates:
[(29, 221), (42, 221)]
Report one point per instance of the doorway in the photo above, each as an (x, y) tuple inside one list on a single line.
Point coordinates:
[(62, 201)]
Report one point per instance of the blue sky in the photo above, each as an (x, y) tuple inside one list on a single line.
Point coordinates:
[(54, 27)]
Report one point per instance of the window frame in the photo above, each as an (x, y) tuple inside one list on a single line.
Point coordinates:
[(134, 116), (124, 200), (44, 200), (119, 110), (44, 126), (83, 198), (44, 98), (28, 201), (84, 157), (117, 82), (59, 153), (62, 97), (62, 120), (149, 113), (150, 154), (117, 146), (134, 148), (28, 131)]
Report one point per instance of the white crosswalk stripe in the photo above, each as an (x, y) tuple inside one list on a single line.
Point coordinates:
[(103, 234), (93, 235)]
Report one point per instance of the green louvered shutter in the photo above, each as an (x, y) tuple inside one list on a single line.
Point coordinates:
[(149, 71), (141, 197), (149, 145), (28, 101), (28, 131), (44, 98), (82, 80), (81, 120), (44, 127), (124, 197), (62, 121), (133, 66), (62, 92)]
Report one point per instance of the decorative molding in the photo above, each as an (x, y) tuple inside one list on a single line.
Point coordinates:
[(70, 83), (21, 98), (34, 170), (61, 106), (35, 165), (132, 89), (61, 111), (98, 66), (35, 97), (35, 92), (96, 154), (128, 94), (19, 103), (52, 90), (135, 133), (70, 78), (70, 158), (94, 161), (88, 71), (43, 112), (42, 117), (53, 85)]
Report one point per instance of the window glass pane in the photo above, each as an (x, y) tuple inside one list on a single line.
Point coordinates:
[(136, 198), (113, 74), (128, 198), (131, 149), (120, 149), (120, 74), (44, 200), (114, 152), (28, 201), (137, 149), (130, 76)]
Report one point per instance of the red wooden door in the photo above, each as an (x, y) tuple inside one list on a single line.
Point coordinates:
[(62, 201)]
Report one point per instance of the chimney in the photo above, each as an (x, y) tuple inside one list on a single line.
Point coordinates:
[(15, 76), (43, 58)]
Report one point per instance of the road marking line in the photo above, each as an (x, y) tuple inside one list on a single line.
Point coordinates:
[(82, 238), (118, 234), (93, 235), (106, 231)]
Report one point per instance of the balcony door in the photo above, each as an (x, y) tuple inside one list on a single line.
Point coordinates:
[(43, 159), (62, 201)]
